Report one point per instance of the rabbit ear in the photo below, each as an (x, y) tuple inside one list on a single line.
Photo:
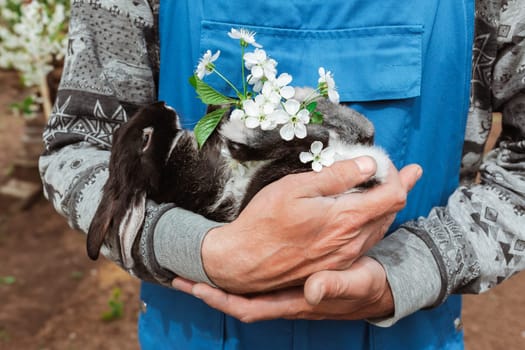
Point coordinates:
[(117, 220), (129, 229), (101, 226)]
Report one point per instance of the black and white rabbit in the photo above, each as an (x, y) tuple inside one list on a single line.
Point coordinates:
[(153, 157)]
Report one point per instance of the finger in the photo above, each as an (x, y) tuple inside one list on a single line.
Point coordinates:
[(386, 198), (409, 176), (336, 179), (283, 304), (325, 284), (362, 281), (183, 284)]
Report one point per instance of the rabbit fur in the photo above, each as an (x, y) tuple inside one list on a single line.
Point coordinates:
[(154, 157)]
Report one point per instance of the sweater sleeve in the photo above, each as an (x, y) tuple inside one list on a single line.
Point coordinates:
[(477, 241), (110, 70)]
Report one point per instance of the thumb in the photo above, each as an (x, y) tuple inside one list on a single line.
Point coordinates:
[(409, 175), (338, 178), (361, 282), (328, 285)]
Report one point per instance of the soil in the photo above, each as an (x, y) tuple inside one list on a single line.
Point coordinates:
[(53, 297)]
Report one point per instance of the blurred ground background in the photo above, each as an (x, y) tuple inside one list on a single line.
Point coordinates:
[(53, 297)]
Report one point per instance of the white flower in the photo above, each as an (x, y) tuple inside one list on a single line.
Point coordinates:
[(318, 156), (245, 36), (278, 88), (294, 119), (327, 85), (262, 68), (238, 114), (259, 112), (206, 66), (32, 39)]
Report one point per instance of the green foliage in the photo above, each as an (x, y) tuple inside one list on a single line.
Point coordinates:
[(316, 117), (116, 306), (311, 106), (77, 275), (209, 95), (9, 170), (26, 107), (207, 125), (7, 280), (4, 336)]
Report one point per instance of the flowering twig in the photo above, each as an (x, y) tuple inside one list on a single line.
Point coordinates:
[(271, 102), (32, 37)]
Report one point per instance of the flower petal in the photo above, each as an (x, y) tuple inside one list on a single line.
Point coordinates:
[(215, 56), (292, 106), (252, 122), (237, 114), (268, 124), (328, 152), (284, 79), (333, 96), (287, 92), (234, 34), (316, 147), (251, 108), (321, 72), (287, 132), (327, 156), (306, 157), (268, 108), (300, 131), (280, 116), (304, 116), (257, 72), (317, 167)]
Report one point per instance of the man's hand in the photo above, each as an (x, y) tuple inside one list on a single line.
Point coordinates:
[(359, 292), (302, 224)]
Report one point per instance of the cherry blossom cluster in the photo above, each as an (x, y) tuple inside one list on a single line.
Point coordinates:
[(32, 36), (271, 104)]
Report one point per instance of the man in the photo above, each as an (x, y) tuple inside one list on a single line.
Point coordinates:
[(405, 66)]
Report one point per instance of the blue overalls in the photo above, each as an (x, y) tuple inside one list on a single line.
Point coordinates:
[(404, 64)]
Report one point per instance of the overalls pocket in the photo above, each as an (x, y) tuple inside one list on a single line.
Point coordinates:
[(377, 69)]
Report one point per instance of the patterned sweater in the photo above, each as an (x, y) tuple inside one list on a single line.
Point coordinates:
[(469, 246)]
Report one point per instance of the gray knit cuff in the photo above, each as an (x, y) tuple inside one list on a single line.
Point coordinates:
[(177, 242), (148, 268), (453, 253), (412, 274)]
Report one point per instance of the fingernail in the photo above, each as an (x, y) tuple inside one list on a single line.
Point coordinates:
[(419, 172), (316, 295), (174, 284), (366, 165), (196, 292)]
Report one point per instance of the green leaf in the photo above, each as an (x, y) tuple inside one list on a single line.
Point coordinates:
[(207, 125), (311, 106), (7, 280), (316, 118), (116, 307), (193, 81), (4, 335), (207, 94), (77, 275)]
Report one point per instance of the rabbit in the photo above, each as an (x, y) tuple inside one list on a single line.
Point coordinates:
[(154, 157)]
